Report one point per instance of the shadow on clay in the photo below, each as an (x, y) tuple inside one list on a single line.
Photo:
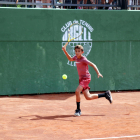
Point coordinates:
[(56, 117)]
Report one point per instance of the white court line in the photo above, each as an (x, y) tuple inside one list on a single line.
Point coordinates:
[(113, 137)]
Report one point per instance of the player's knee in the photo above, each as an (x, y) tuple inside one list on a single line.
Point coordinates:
[(87, 97), (77, 92)]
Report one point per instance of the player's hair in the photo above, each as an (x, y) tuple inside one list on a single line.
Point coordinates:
[(79, 47)]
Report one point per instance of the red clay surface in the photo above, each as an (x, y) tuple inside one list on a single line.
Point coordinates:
[(50, 117)]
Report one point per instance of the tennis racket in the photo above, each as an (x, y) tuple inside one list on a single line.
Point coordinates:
[(74, 31)]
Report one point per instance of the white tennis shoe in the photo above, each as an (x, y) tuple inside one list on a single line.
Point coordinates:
[(77, 112)]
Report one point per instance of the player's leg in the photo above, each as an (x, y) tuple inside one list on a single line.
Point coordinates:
[(89, 96), (77, 93)]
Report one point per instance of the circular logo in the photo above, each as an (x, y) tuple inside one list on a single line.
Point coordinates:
[(84, 40)]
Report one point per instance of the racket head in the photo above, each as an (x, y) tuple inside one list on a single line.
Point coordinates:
[(71, 31)]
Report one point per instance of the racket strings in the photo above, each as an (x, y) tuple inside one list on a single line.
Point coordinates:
[(76, 27)]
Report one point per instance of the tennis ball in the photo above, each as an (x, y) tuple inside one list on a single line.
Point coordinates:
[(64, 76)]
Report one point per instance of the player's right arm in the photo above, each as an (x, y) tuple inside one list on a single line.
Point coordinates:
[(66, 53)]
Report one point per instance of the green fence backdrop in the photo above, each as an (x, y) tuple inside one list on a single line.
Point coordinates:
[(32, 60)]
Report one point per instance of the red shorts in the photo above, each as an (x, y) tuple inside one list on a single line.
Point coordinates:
[(84, 82)]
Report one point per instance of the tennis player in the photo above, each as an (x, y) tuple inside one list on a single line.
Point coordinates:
[(84, 77)]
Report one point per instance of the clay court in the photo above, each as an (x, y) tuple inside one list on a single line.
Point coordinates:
[(50, 117)]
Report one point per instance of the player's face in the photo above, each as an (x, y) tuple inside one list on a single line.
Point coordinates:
[(78, 52)]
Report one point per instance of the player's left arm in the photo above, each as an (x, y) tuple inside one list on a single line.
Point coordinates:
[(95, 68)]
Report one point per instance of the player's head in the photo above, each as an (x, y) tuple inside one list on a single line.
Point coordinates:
[(79, 47), (79, 50)]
